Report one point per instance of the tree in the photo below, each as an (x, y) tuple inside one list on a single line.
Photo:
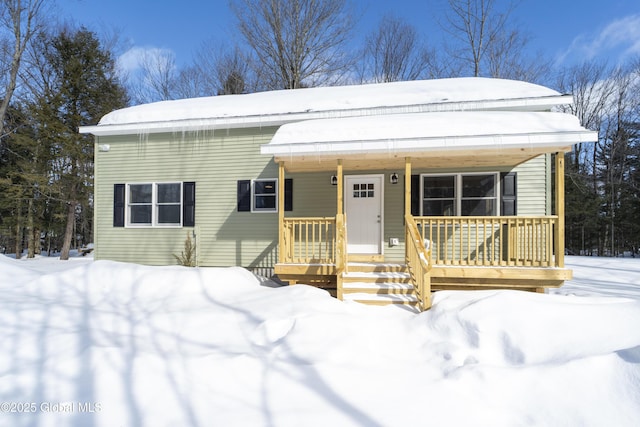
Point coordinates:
[(485, 45), (225, 69), (603, 186), (393, 52), (157, 78), (21, 19), (82, 88), (506, 58), (297, 42), (615, 154)]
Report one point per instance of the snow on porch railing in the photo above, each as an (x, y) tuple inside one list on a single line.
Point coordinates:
[(418, 260), (309, 240), (512, 241)]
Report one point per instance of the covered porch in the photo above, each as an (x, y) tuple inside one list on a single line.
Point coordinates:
[(439, 252)]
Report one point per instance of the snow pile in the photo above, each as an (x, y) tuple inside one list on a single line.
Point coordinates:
[(121, 344)]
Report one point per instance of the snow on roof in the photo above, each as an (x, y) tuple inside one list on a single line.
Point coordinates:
[(284, 106), (427, 132)]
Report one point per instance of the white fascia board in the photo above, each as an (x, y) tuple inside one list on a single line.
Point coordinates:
[(267, 120), (426, 145)]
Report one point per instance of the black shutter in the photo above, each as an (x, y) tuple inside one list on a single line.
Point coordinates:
[(244, 195), (118, 205), (188, 204), (509, 195), (288, 194), (415, 195)]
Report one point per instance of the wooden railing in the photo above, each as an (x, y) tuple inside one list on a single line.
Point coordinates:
[(490, 241), (418, 260), (309, 240), (341, 252)]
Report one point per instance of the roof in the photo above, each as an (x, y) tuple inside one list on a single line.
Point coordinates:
[(428, 132), (276, 108)]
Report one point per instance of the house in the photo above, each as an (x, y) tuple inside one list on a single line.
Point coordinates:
[(383, 192)]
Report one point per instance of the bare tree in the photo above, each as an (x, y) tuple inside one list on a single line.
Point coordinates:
[(394, 52), (297, 42), (21, 21), (506, 58), (189, 83), (225, 69), (481, 34), (591, 85), (157, 77)]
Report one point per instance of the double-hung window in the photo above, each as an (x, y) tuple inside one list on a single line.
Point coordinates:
[(265, 195), (154, 204), (261, 195), (460, 194)]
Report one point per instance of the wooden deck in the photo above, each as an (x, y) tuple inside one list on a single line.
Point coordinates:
[(446, 277), (461, 253)]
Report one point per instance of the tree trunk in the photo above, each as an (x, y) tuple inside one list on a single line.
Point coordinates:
[(37, 247), (19, 232), (30, 231), (68, 233)]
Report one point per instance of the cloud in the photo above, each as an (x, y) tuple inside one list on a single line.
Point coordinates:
[(617, 41), (133, 60)]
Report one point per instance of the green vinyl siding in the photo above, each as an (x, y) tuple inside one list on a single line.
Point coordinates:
[(534, 186), (215, 162)]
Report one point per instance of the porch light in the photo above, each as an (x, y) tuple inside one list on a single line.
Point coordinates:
[(334, 180), (393, 178)]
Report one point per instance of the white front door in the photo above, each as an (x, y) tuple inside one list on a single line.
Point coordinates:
[(363, 208)]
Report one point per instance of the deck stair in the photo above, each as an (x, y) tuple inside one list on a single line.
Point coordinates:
[(378, 284)]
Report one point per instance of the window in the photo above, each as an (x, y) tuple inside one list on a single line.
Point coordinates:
[(478, 195), (363, 190), (171, 204), (140, 204), (261, 195), (155, 204), (460, 194), (439, 196), (264, 195)]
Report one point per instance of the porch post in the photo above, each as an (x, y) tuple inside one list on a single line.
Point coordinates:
[(339, 188), (407, 203), (407, 186), (281, 243), (560, 209)]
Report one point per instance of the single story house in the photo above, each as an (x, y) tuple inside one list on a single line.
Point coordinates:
[(382, 192)]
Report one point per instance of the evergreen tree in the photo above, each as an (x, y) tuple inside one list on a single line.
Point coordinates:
[(82, 88)]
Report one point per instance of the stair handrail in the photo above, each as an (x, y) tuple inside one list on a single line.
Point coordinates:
[(341, 251), (418, 260)]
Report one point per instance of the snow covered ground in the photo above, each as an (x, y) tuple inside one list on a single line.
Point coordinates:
[(101, 343)]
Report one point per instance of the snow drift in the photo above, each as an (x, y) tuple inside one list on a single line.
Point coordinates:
[(122, 344)]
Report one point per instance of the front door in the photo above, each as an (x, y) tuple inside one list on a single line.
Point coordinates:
[(363, 208)]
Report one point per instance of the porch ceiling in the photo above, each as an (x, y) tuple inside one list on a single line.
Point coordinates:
[(433, 160), (432, 140)]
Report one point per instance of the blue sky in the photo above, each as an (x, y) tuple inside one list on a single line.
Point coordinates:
[(567, 30)]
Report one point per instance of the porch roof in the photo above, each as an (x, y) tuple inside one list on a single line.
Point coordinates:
[(478, 138)]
